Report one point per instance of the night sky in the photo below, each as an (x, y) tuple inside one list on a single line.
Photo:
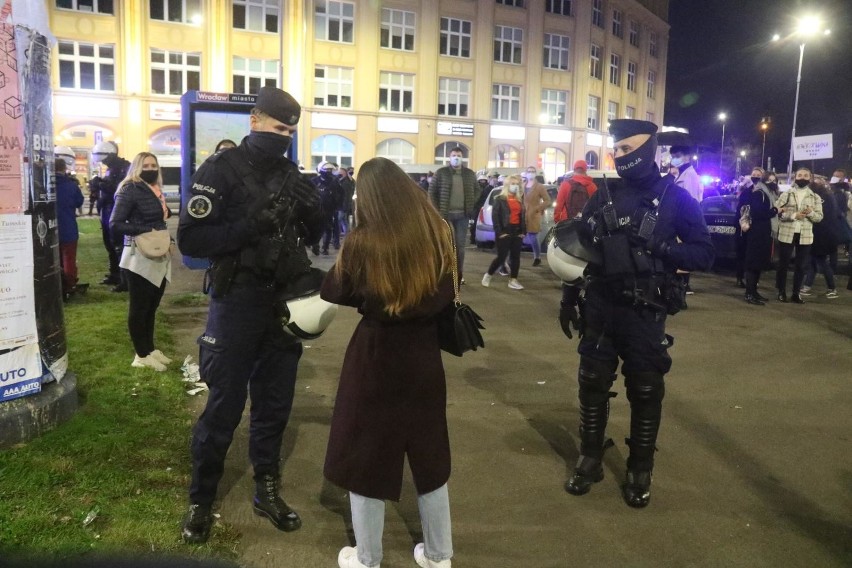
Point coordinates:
[(721, 59)]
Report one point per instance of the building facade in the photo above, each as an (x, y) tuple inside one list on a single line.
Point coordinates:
[(512, 82)]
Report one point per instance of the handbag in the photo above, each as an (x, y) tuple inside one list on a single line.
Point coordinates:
[(153, 244), (458, 324), (745, 218)]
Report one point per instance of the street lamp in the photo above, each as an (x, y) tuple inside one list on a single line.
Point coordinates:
[(722, 116), (740, 160), (807, 27), (763, 126)]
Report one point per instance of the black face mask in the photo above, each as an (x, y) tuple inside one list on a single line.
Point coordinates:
[(269, 143), (755, 180), (772, 185), (149, 176), (802, 182), (639, 163)]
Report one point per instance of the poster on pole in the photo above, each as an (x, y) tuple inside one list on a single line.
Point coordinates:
[(17, 296), (11, 121), (817, 147), (20, 372)]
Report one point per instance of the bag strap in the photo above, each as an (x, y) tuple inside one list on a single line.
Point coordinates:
[(454, 266)]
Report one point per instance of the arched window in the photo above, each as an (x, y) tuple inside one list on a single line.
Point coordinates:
[(396, 149), (506, 156), (554, 163), (592, 160), (332, 148), (442, 152)]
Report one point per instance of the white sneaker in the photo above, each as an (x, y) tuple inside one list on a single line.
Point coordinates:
[(514, 284), (486, 280), (158, 355), (420, 558), (348, 558), (805, 291), (831, 294), (149, 362)]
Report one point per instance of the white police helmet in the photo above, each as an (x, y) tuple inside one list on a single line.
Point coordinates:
[(102, 149), (301, 311), (568, 268), (67, 155)]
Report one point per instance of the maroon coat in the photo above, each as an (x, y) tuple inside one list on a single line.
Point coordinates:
[(392, 399)]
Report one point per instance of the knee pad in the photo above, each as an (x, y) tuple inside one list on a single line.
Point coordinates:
[(645, 388), (596, 377)]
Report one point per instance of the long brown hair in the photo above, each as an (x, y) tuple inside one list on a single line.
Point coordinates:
[(401, 247)]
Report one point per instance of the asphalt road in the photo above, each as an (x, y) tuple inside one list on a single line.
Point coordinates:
[(753, 467)]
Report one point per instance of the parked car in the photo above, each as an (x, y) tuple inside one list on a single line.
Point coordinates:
[(485, 229), (720, 215)]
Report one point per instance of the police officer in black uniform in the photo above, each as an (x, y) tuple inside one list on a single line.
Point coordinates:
[(105, 188), (644, 228), (252, 214)]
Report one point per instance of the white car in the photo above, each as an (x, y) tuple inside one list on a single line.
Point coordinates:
[(484, 235)]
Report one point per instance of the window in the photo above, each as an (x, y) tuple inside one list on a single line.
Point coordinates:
[(554, 162), (182, 11), (615, 69), (594, 117), (634, 33), (397, 150), (396, 92), (649, 116), (86, 66), (592, 160), (249, 75), (595, 63), (334, 21), (561, 7), (652, 44), (505, 102), (554, 105), (617, 31), (332, 148), (611, 112), (508, 44), (256, 15), (515, 3), (630, 112), (506, 156), (652, 80), (174, 72), (597, 13), (631, 76), (95, 6), (453, 97), (397, 29), (333, 86), (455, 37), (556, 51), (442, 152)]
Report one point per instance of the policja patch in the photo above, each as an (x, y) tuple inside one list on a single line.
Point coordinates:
[(199, 206)]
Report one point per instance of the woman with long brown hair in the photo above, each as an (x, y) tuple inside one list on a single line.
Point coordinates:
[(395, 268)]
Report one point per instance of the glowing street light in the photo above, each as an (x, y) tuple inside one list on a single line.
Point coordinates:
[(723, 117), (807, 27), (764, 126)]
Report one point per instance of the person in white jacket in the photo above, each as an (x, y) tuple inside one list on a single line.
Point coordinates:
[(688, 179)]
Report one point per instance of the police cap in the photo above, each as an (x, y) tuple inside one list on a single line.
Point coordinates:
[(622, 128), (278, 104)]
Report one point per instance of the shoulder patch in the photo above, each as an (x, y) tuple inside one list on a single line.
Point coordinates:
[(199, 206)]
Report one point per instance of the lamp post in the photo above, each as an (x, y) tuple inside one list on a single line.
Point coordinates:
[(722, 117), (806, 27), (740, 160), (763, 126)]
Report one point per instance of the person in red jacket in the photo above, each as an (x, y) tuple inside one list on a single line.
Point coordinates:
[(573, 193)]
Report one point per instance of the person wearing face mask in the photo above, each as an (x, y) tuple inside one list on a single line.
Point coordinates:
[(829, 234), (509, 218), (252, 213), (484, 189), (686, 177), (757, 240), (331, 195), (536, 200), (453, 191), (140, 207), (105, 187), (645, 228), (798, 209)]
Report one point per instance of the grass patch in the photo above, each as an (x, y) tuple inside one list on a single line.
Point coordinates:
[(188, 300), (124, 455)]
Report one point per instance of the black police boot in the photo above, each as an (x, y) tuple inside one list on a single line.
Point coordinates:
[(267, 503), (636, 490), (645, 391), (587, 471), (197, 523), (594, 411)]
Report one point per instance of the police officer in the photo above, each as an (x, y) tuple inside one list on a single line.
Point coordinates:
[(331, 196), (644, 227), (105, 188), (252, 214)]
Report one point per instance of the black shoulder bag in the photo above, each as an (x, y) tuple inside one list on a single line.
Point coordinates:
[(458, 324)]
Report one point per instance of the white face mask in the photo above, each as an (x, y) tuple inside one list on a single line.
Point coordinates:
[(455, 161), (835, 179), (513, 189), (677, 162)]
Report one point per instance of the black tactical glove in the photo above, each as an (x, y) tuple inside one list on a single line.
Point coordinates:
[(304, 192), (569, 316), (261, 217), (658, 247)]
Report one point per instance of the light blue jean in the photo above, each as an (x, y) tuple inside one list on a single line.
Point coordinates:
[(459, 223), (368, 523), (532, 239)]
